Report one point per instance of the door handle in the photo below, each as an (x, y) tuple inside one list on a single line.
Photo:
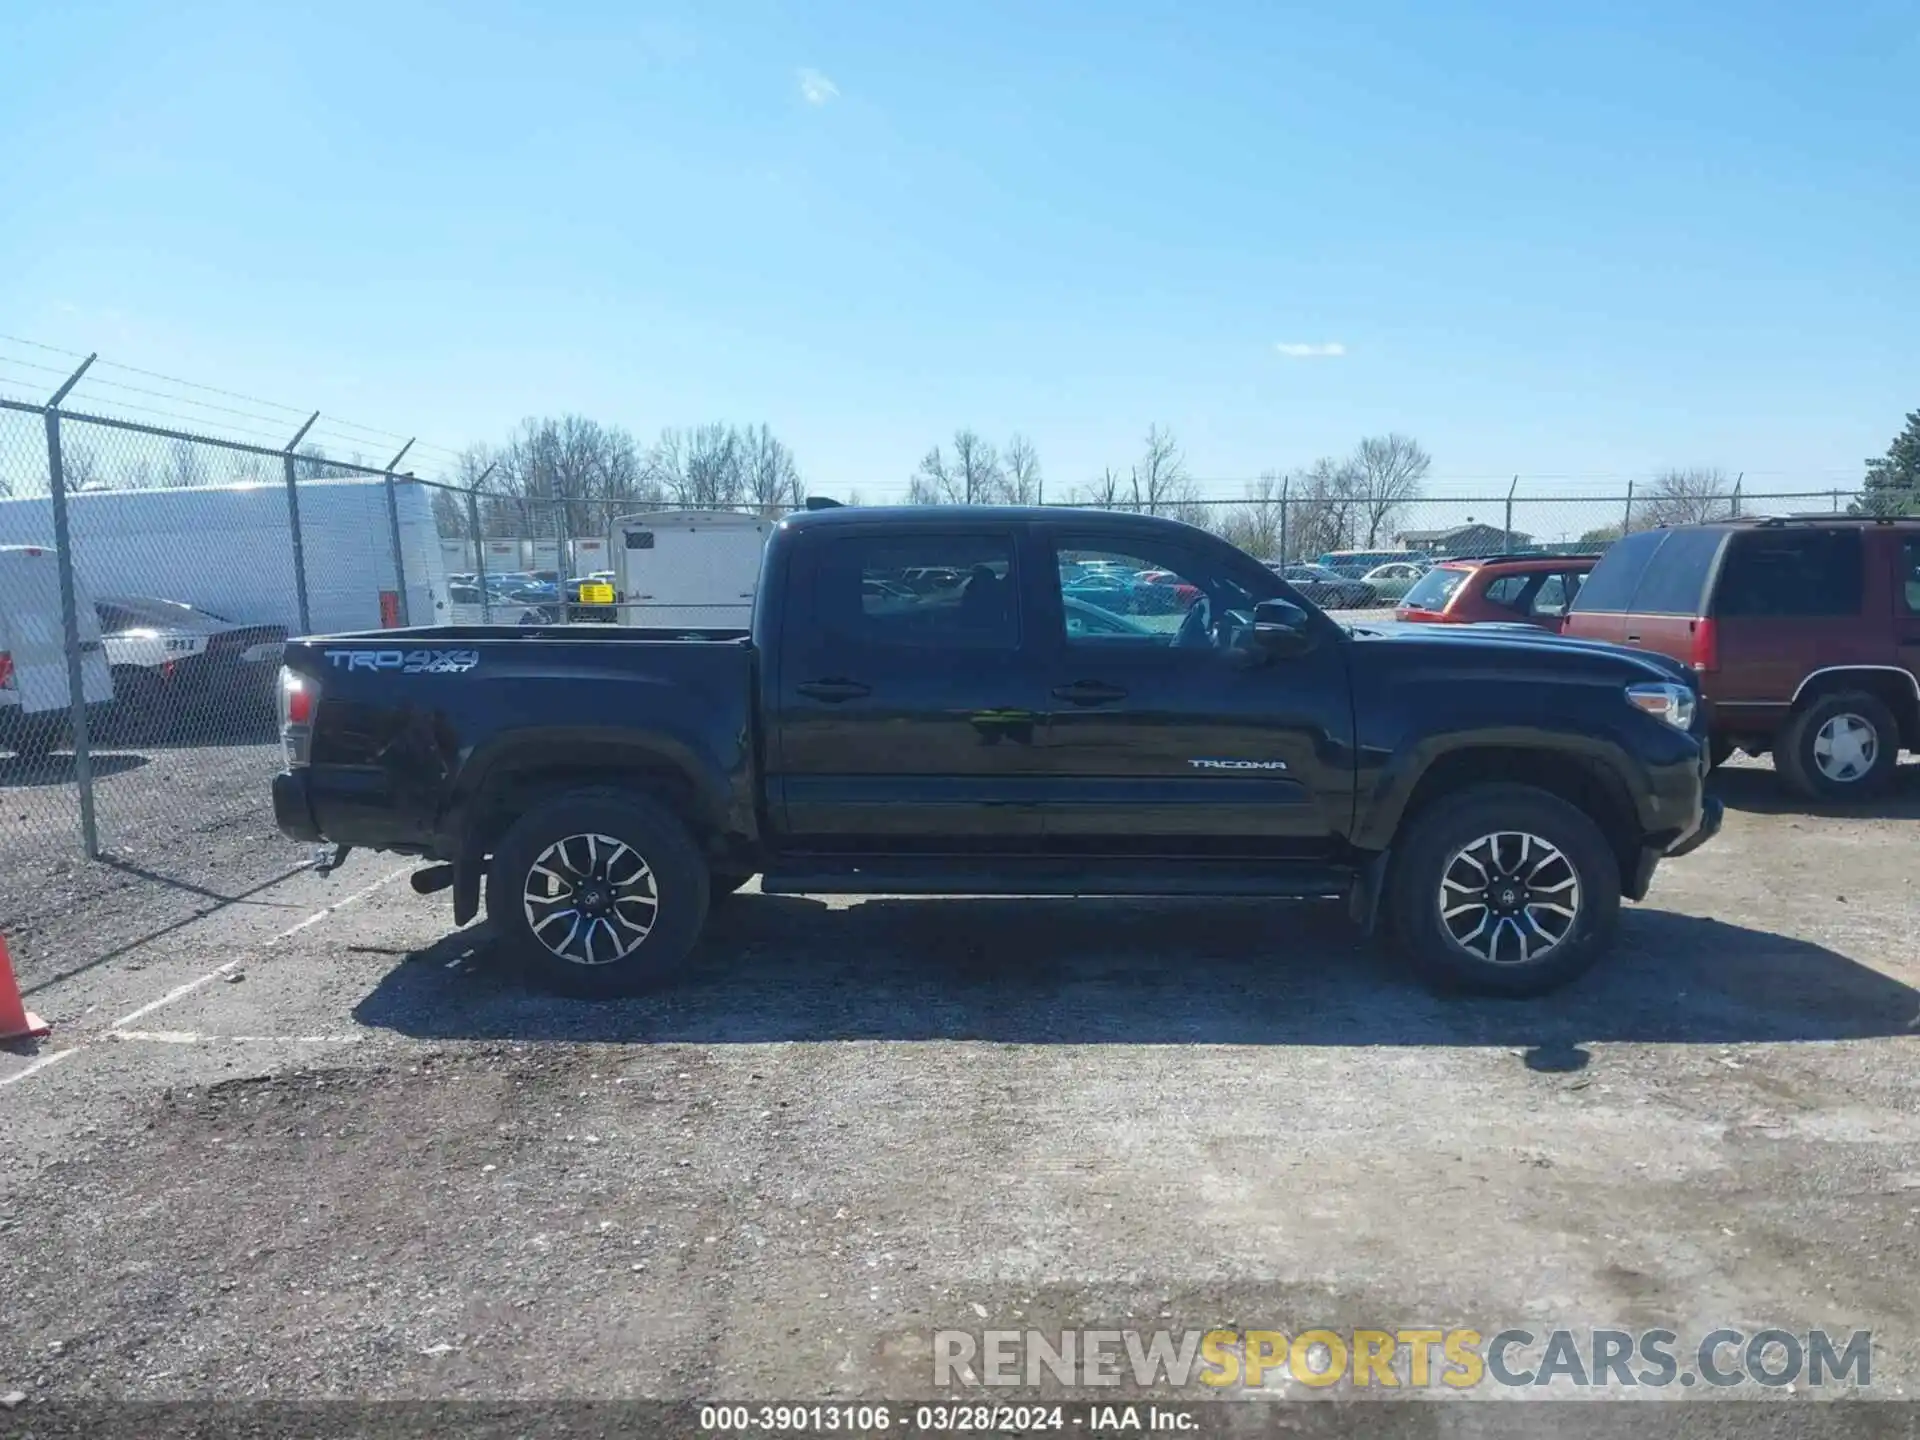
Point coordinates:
[(833, 691), (1089, 692), (1633, 639)]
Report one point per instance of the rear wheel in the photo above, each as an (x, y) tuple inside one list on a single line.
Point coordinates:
[(138, 703), (1504, 889), (1840, 747), (598, 893)]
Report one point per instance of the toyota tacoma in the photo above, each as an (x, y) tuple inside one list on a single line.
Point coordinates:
[(1485, 796)]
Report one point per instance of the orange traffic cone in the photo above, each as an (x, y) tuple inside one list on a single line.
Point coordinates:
[(16, 1021)]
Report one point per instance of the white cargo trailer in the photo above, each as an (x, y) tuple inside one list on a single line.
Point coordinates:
[(688, 568), (228, 549)]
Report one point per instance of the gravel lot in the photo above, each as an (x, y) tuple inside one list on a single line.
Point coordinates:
[(185, 829), (355, 1161)]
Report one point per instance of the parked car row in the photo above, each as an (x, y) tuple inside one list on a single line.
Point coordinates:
[(1803, 632)]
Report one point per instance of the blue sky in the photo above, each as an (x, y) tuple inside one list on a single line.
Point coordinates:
[(1570, 240)]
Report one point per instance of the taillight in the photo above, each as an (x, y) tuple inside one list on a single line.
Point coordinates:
[(1706, 646), (6, 671), (298, 698)]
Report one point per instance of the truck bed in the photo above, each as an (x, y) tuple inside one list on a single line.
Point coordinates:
[(409, 725)]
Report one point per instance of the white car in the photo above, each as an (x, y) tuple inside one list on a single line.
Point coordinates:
[(1391, 581), (171, 660)]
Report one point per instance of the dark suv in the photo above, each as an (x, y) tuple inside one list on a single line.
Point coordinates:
[(1805, 633)]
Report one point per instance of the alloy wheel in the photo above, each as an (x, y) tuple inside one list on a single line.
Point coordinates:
[(590, 899), (1509, 898)]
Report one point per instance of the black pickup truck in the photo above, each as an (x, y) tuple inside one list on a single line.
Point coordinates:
[(968, 701)]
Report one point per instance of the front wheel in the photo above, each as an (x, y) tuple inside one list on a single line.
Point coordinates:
[(1504, 889), (598, 893)]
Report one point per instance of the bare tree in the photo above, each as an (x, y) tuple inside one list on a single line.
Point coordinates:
[(1254, 524), (934, 482), (311, 463), (1324, 509), (1160, 481), (1387, 475), (1681, 497), (244, 467), (772, 479), (79, 468), (1107, 491), (976, 467), (1024, 483), (186, 467), (700, 467), (563, 476)]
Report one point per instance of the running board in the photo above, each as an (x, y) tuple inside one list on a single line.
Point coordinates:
[(961, 875)]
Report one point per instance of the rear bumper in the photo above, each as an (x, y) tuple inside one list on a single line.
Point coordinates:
[(293, 807)]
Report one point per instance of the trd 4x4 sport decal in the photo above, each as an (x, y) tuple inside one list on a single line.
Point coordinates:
[(406, 662)]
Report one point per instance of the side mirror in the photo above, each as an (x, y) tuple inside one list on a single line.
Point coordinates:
[(1281, 628)]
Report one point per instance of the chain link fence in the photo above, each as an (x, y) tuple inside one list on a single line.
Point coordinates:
[(149, 579)]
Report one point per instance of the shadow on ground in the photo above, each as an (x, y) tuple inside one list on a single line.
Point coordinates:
[(19, 772), (778, 968), (1759, 791)]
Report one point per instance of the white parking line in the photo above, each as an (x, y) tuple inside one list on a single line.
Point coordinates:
[(197, 1037), (37, 1066), (180, 992), (120, 1028)]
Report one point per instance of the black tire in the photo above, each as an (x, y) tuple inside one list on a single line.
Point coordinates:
[(138, 713), (678, 877), (721, 884), (1429, 852), (1797, 752)]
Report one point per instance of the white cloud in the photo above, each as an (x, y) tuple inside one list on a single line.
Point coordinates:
[(817, 89), (1307, 350)]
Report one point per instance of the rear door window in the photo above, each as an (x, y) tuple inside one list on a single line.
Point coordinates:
[(932, 591), (1611, 584), (1793, 572), (1510, 592), (1910, 575), (1556, 593)]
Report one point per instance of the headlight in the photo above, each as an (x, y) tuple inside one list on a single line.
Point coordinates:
[(1672, 703)]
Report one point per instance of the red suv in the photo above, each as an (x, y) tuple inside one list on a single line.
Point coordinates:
[(1805, 633), (1519, 589)]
